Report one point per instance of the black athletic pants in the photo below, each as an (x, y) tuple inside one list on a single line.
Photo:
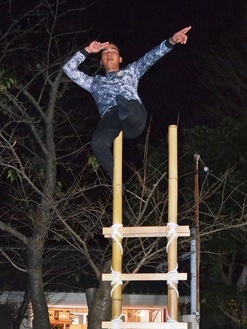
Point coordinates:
[(109, 128)]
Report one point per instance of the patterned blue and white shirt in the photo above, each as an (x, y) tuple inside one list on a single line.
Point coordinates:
[(123, 82)]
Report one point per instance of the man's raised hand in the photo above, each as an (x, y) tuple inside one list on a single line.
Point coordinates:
[(96, 46)]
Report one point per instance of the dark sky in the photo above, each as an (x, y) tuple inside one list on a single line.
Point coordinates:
[(136, 26), (141, 24)]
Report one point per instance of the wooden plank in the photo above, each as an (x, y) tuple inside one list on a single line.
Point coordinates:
[(142, 325), (144, 276), (146, 231)]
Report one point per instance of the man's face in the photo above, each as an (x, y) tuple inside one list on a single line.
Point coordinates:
[(110, 58)]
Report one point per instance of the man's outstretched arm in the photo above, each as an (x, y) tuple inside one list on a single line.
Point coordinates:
[(144, 63)]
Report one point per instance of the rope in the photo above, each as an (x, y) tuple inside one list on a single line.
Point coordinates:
[(115, 322), (173, 278), (172, 232), (172, 275), (116, 233), (171, 323), (116, 281)]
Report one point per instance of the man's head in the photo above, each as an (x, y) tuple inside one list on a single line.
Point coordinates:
[(110, 58)]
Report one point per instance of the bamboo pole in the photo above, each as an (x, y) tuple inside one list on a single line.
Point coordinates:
[(172, 217), (117, 219)]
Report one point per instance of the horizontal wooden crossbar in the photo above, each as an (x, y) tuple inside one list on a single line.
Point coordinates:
[(142, 325), (146, 231), (144, 276)]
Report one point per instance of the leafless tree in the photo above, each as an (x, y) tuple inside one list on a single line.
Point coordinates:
[(31, 89)]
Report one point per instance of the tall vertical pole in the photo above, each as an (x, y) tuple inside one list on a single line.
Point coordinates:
[(193, 273), (196, 158), (172, 217), (117, 219)]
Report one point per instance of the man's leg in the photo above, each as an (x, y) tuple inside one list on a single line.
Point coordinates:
[(107, 130), (135, 121)]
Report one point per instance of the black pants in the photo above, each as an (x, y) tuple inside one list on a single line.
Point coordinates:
[(109, 128)]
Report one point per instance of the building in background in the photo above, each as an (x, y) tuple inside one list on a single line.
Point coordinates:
[(69, 310)]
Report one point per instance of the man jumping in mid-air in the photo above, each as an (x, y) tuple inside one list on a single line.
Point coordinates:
[(115, 93)]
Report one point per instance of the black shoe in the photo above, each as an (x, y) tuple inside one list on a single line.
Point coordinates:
[(123, 107)]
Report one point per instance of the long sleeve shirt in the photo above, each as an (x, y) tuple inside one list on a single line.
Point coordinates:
[(122, 82)]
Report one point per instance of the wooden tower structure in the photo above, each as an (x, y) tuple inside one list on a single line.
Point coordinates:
[(171, 230)]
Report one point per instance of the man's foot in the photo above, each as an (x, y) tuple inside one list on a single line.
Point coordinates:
[(123, 107)]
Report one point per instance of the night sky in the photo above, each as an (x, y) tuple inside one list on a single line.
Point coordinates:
[(168, 88), (136, 26)]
